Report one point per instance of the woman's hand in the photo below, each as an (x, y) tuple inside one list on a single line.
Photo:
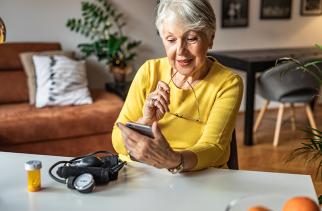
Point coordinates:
[(153, 151), (156, 104)]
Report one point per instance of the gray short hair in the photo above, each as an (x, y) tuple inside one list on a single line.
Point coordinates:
[(195, 14)]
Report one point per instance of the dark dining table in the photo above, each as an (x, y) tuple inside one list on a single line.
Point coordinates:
[(252, 62)]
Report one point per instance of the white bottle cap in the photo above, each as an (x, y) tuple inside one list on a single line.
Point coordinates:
[(32, 165)]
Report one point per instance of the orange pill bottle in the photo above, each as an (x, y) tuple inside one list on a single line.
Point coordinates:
[(33, 168)]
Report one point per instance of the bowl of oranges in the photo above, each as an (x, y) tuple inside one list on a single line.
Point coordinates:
[(273, 203)]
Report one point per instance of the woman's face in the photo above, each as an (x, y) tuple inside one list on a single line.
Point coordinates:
[(185, 49)]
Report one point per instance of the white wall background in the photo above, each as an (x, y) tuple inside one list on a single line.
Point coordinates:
[(44, 20)]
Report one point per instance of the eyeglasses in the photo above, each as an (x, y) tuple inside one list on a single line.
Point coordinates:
[(181, 116)]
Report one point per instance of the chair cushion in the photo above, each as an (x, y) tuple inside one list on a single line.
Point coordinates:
[(299, 96), (23, 123), (286, 80)]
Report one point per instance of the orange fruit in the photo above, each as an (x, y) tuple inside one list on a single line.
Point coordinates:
[(300, 203), (258, 208)]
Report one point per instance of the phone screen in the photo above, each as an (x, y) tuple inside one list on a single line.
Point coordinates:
[(143, 129)]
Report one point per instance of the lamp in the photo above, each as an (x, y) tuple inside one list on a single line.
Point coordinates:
[(2, 31)]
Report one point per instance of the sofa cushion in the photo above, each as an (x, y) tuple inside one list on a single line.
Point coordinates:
[(29, 67), (72, 147), (23, 123), (10, 93), (10, 61)]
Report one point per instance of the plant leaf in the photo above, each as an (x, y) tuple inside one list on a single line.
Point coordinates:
[(318, 46), (103, 24)]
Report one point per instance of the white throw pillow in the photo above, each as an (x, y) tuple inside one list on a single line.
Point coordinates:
[(29, 68), (60, 81)]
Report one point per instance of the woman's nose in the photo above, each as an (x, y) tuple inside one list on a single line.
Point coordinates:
[(181, 47)]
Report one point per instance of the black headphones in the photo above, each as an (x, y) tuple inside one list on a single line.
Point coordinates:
[(82, 173)]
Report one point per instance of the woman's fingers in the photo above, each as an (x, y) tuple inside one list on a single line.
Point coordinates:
[(156, 131), (164, 96), (134, 142), (164, 91), (160, 103), (129, 133), (156, 100), (161, 97), (159, 106), (156, 104), (131, 148), (164, 86), (154, 152)]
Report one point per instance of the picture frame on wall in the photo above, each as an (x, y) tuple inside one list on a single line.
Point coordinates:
[(311, 7), (275, 9), (234, 13)]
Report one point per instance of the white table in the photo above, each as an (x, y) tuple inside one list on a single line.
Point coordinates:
[(141, 188)]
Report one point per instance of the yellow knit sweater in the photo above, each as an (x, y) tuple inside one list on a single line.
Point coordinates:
[(219, 95)]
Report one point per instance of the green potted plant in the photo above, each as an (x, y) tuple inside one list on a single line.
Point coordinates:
[(311, 148), (103, 24)]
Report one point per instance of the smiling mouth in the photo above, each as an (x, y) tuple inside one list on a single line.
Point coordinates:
[(184, 62)]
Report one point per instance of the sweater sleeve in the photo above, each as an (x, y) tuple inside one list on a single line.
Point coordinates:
[(133, 106), (212, 149)]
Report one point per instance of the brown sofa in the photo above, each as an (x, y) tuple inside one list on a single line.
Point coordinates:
[(67, 131)]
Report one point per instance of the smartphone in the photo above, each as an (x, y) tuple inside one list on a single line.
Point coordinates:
[(143, 129)]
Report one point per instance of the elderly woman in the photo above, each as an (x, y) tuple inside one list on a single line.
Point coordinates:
[(190, 100)]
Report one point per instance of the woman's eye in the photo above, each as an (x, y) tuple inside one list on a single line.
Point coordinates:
[(171, 40), (192, 39)]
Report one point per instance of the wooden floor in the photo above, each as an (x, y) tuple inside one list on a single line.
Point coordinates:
[(264, 157)]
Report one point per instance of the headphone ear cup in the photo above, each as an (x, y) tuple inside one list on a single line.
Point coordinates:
[(84, 183)]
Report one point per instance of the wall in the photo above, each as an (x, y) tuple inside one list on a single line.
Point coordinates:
[(44, 20)]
